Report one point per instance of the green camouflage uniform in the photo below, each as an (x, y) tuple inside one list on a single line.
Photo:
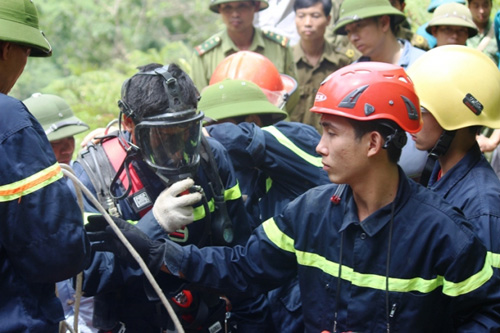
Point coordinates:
[(309, 79), (211, 52)]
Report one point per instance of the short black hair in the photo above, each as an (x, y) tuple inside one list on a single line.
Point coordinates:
[(385, 127), (146, 94), (327, 5)]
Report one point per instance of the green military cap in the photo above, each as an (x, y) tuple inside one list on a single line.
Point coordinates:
[(19, 24), (55, 116), (355, 10), (453, 14), (214, 4), (237, 98)]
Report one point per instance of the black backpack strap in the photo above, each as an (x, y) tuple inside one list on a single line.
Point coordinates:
[(221, 225)]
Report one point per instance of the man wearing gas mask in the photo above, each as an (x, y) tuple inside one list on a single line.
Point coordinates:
[(160, 153)]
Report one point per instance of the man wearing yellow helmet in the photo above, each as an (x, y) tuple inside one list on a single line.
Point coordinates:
[(456, 102), (42, 240)]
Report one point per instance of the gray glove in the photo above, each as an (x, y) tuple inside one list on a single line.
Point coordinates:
[(174, 210)]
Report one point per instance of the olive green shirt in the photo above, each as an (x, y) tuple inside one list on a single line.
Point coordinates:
[(211, 52), (309, 79), (491, 48)]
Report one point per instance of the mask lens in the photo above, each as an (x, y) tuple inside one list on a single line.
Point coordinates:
[(170, 146)]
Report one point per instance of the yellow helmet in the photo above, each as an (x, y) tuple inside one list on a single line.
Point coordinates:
[(459, 86)]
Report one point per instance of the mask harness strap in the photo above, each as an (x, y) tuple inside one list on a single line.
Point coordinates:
[(221, 225), (172, 91), (438, 150)]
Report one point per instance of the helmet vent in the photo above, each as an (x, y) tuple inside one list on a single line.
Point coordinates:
[(350, 100), (473, 104), (369, 109), (410, 108)]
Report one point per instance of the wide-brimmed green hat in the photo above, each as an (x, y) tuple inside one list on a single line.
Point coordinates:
[(452, 14), (355, 10), (238, 98), (55, 116), (19, 24), (214, 4)]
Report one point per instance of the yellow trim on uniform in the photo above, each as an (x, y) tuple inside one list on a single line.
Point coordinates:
[(269, 184), (31, 184), (232, 193), (374, 281), (495, 260), (314, 160)]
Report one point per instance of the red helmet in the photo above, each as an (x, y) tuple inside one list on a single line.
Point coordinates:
[(368, 91), (254, 67)]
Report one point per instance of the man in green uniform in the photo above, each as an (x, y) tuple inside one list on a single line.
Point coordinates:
[(451, 24), (484, 41), (339, 42), (239, 34), (314, 58)]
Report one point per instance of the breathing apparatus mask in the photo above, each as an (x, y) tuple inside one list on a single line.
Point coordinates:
[(169, 142)]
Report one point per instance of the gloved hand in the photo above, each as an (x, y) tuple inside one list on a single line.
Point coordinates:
[(103, 238), (174, 211)]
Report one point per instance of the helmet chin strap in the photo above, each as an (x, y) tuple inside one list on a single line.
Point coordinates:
[(438, 150)]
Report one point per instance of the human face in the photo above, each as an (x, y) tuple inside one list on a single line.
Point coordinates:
[(480, 10), (63, 149), (16, 57), (238, 16), (429, 135), (343, 155), (311, 22), (366, 35), (450, 35)]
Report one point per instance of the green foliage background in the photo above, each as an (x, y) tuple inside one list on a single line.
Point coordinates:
[(98, 44)]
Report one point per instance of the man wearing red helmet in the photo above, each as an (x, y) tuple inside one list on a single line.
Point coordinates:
[(377, 254)]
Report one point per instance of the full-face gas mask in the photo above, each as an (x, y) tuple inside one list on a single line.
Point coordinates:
[(169, 142)]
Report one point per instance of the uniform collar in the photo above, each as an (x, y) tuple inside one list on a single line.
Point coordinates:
[(379, 219), (328, 54), (455, 174), (228, 47)]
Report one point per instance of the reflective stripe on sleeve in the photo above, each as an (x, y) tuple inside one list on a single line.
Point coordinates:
[(232, 193), (495, 260), (311, 159), (30, 184), (374, 281)]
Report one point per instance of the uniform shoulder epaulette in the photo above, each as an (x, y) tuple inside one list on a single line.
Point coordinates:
[(208, 45), (420, 42), (280, 39)]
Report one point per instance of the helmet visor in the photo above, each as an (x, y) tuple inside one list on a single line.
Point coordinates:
[(170, 143)]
